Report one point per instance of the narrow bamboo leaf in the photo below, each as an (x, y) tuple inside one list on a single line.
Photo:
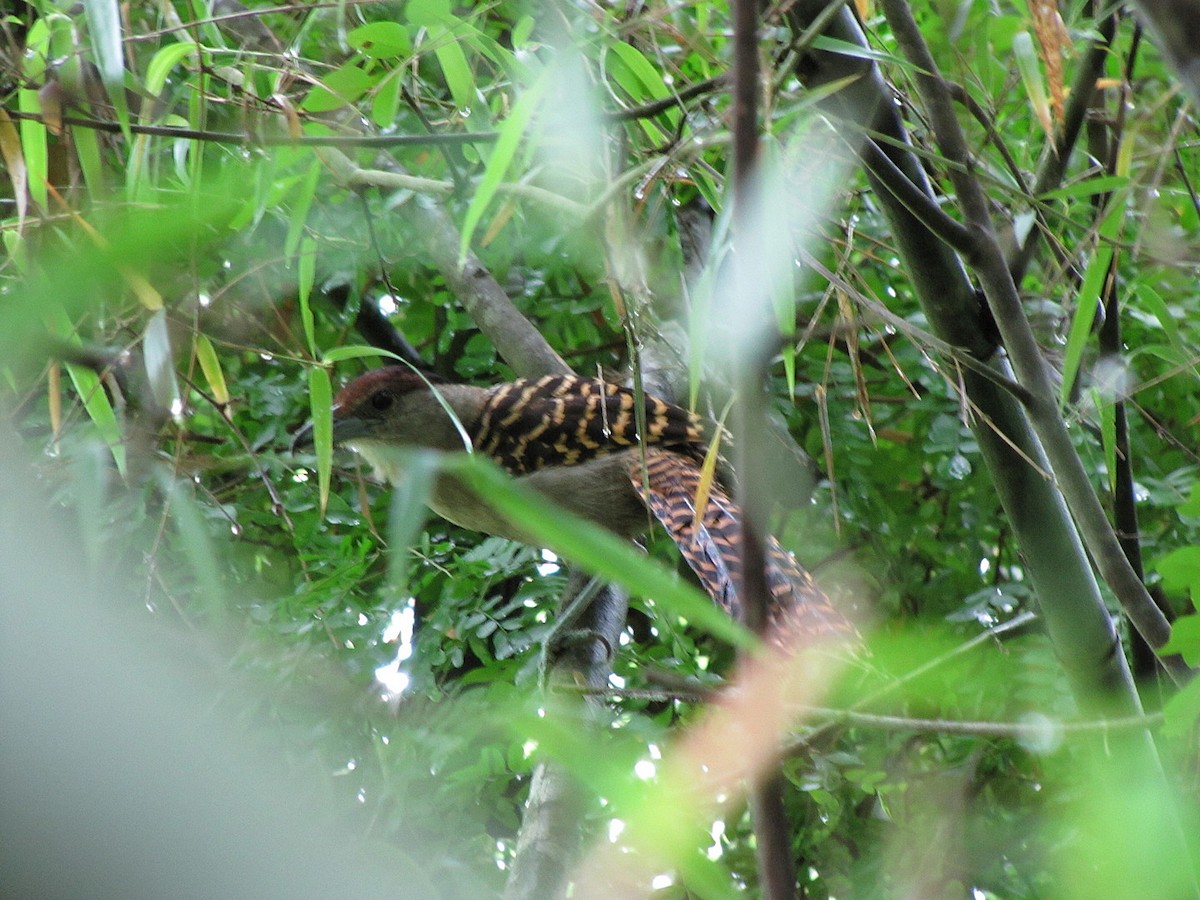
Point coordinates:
[(14, 162), (164, 61), (87, 148), (210, 365), (456, 70), (1089, 187), (593, 548), (159, 361), (511, 131), (306, 272), (1030, 67), (197, 543), (320, 393), (647, 75), (1162, 313), (100, 411), (300, 208), (354, 351), (407, 514), (33, 147), (1090, 292), (104, 24)]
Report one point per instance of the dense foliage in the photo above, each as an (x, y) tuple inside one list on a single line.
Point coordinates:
[(171, 301)]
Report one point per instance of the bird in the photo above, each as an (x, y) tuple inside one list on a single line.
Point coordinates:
[(575, 440)]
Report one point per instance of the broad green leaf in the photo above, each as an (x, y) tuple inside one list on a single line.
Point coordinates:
[(1181, 712), (320, 394), (1185, 638), (511, 132), (380, 40), (385, 105), (427, 13), (337, 89), (1180, 571)]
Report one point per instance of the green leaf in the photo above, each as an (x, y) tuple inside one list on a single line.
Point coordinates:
[(386, 103), (380, 40), (355, 351), (320, 393), (210, 365), (337, 89), (100, 411), (457, 71), (408, 513), (306, 273), (164, 61), (1185, 639), (1088, 299), (1180, 571), (104, 23), (511, 132), (34, 148), (1181, 712), (197, 543)]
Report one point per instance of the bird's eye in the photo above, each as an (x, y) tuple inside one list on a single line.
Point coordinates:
[(382, 400)]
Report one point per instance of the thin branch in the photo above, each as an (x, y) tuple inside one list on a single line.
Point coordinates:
[(518, 342), (916, 201)]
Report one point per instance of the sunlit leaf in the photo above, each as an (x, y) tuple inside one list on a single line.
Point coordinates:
[(210, 365), (511, 132), (320, 393)]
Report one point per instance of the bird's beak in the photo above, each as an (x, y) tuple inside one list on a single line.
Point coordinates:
[(302, 439), (345, 429)]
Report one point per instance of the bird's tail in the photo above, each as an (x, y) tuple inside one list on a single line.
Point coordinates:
[(799, 612)]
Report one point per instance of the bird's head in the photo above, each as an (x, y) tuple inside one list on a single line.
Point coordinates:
[(397, 406)]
